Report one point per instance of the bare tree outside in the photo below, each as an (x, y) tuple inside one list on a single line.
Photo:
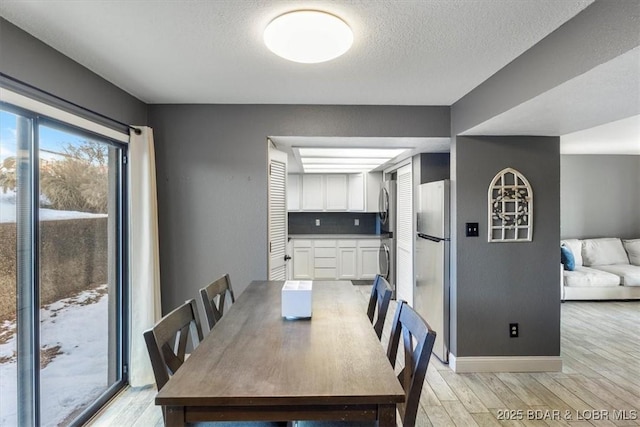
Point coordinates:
[(78, 181)]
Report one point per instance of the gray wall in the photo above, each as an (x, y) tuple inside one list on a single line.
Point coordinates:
[(212, 186), (494, 284), (26, 58), (434, 167), (599, 196)]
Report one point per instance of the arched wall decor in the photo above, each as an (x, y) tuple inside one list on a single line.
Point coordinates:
[(510, 204)]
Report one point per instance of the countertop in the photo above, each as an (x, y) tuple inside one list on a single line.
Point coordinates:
[(338, 236)]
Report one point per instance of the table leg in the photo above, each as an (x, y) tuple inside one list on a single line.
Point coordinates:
[(387, 415), (174, 416)]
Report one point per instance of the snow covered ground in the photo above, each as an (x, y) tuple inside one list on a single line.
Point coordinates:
[(74, 344), (74, 340), (8, 210)]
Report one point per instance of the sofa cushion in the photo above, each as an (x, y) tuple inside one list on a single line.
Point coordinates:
[(605, 251), (629, 274), (585, 276), (633, 250), (567, 259), (576, 249)]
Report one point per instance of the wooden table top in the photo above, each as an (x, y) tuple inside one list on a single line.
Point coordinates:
[(253, 356)]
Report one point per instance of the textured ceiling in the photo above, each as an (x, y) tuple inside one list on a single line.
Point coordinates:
[(412, 52)]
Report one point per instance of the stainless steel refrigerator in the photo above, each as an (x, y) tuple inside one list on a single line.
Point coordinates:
[(431, 295)]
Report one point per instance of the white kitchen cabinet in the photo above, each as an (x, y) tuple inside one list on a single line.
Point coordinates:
[(329, 259), (336, 192), (333, 192), (293, 192), (364, 189), (368, 263), (303, 259), (313, 192), (373, 180), (356, 192), (324, 260), (347, 260)]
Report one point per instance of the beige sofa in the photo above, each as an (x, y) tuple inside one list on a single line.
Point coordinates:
[(605, 268)]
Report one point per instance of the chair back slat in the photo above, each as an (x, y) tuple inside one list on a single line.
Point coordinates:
[(417, 339), (167, 340), (213, 299), (380, 298)]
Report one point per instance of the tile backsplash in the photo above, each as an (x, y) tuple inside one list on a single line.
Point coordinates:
[(333, 223)]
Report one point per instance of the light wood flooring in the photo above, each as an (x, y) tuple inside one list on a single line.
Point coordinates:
[(599, 384)]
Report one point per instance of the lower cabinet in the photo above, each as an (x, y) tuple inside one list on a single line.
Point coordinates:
[(302, 259), (327, 259), (347, 260), (368, 259), (324, 259)]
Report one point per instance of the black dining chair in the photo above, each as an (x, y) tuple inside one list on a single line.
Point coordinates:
[(167, 340), (214, 297), (380, 298), (418, 339)]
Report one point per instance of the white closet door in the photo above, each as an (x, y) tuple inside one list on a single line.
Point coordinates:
[(405, 235), (277, 214)]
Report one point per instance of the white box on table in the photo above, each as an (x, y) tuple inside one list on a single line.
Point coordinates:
[(296, 299)]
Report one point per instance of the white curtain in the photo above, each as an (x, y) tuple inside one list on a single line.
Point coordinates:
[(144, 252)]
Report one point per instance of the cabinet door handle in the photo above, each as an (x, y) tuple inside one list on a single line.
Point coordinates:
[(287, 257)]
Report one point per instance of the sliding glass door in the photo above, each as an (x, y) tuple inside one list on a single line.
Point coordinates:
[(9, 271), (61, 301)]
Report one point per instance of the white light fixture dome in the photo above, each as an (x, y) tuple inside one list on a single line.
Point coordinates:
[(308, 36)]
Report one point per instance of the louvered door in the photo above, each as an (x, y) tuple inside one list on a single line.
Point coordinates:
[(405, 235), (277, 245)]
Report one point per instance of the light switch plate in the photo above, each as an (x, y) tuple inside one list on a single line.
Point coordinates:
[(356, 222), (317, 222)]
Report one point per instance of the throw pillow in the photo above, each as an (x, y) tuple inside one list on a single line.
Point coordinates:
[(575, 245), (633, 249), (567, 259), (603, 251)]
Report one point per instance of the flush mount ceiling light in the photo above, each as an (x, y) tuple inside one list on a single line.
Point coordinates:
[(308, 36)]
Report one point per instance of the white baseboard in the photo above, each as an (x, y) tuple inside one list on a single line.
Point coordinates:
[(505, 364)]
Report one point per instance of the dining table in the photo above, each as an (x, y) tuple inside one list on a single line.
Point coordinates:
[(256, 365)]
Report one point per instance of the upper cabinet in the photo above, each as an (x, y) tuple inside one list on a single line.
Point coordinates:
[(372, 183), (356, 192), (313, 189), (336, 192), (333, 192), (293, 192)]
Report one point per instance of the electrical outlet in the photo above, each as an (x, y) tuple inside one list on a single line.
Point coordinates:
[(317, 222), (513, 330), (356, 222), (471, 229)]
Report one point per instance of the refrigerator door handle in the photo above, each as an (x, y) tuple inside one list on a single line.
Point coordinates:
[(433, 239)]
